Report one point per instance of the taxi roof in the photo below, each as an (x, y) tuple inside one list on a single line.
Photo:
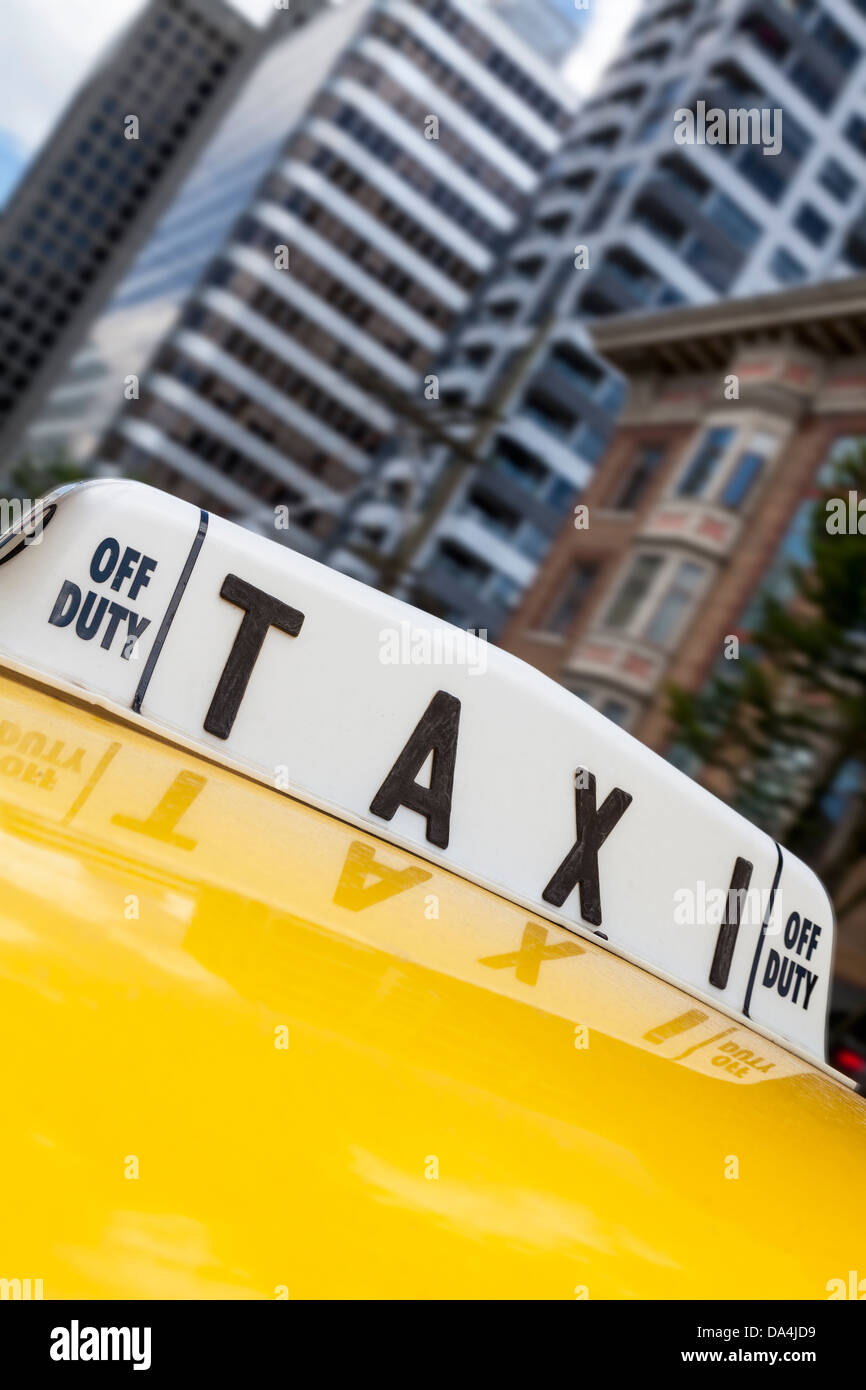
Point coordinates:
[(352, 702)]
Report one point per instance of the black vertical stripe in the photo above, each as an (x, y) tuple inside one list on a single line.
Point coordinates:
[(168, 617), (729, 930), (764, 926)]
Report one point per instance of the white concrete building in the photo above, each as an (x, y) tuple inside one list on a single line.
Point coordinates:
[(552, 27), (663, 223), (388, 194)]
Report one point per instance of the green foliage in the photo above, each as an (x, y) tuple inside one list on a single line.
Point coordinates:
[(33, 476)]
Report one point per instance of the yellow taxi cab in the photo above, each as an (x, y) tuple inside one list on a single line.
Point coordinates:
[(344, 956)]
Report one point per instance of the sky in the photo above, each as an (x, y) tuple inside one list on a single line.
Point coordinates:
[(611, 19), (47, 47)]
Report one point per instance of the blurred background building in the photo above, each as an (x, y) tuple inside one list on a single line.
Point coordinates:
[(550, 26), (662, 224), (146, 304), (402, 144), (701, 499), (110, 166)]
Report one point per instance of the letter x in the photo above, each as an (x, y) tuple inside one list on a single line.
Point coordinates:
[(580, 865), (533, 951)]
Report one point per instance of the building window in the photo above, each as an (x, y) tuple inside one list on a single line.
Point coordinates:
[(532, 541), (571, 598), (492, 515), (613, 394), (549, 414), (688, 180), (503, 589), (463, 565), (729, 216), (807, 80), (635, 275), (813, 226), (591, 443), (509, 458), (706, 261), (786, 268), (855, 134), (836, 41), (575, 366), (559, 494), (836, 179), (742, 479), (705, 462), (766, 36), (665, 624), (845, 787), (633, 590), (617, 710), (640, 474)]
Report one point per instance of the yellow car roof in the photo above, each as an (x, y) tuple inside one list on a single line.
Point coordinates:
[(252, 1052), (339, 959)]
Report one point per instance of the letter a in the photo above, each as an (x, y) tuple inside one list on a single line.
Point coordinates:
[(436, 733), (361, 864)]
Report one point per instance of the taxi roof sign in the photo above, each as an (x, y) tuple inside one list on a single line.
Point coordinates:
[(395, 721)]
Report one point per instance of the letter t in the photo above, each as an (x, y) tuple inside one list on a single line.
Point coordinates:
[(261, 612)]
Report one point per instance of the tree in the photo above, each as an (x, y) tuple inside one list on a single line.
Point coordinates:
[(791, 713)]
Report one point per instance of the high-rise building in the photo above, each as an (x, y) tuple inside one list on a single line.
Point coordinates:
[(383, 211), (640, 211), (552, 27), (98, 184), (146, 303)]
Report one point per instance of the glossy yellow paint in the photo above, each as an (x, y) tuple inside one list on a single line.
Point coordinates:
[(471, 1102)]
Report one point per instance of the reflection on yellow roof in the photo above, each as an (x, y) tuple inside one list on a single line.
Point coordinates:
[(253, 1052)]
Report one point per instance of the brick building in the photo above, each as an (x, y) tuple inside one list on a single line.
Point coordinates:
[(733, 410)]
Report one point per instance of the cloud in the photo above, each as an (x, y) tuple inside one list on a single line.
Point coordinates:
[(598, 49), (47, 49), (12, 160)]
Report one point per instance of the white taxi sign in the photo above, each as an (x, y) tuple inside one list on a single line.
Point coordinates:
[(394, 721)]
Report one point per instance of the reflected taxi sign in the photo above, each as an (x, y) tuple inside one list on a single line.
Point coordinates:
[(347, 699)]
